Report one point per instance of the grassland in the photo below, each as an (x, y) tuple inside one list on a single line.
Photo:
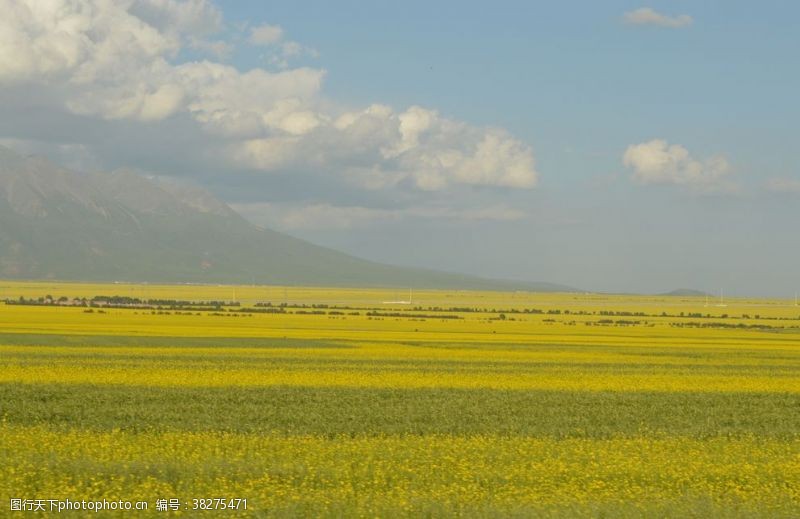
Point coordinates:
[(473, 404)]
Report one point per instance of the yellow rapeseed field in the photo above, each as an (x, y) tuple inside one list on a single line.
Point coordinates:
[(317, 402)]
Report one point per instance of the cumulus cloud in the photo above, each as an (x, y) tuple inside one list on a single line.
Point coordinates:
[(115, 60), (379, 148), (195, 17), (658, 162), (121, 64), (265, 34), (219, 49), (282, 50), (649, 16)]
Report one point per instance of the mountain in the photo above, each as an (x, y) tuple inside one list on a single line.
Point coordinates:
[(61, 224), (685, 292)]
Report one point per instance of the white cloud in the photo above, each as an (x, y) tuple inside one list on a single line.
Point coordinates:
[(219, 49), (265, 34), (58, 43), (658, 162), (120, 61), (195, 17), (327, 216), (161, 103), (273, 37), (248, 104), (379, 148), (784, 185), (649, 16), (190, 22)]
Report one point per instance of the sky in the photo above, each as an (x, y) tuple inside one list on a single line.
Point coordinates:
[(614, 146)]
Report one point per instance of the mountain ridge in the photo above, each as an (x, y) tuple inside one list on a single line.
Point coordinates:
[(120, 226), (685, 292)]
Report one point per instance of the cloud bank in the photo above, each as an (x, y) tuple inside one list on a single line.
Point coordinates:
[(123, 62)]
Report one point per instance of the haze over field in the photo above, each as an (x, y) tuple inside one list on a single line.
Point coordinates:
[(608, 146)]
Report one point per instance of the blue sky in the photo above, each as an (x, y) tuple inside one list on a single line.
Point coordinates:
[(627, 146), (569, 77)]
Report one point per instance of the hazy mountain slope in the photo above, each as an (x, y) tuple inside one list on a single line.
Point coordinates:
[(685, 292), (59, 224)]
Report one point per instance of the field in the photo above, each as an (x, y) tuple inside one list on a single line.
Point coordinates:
[(316, 402)]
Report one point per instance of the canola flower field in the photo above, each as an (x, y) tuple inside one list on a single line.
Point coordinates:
[(314, 402)]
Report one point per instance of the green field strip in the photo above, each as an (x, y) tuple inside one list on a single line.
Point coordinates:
[(348, 411)]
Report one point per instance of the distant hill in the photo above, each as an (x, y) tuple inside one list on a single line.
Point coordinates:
[(686, 292), (61, 224)]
